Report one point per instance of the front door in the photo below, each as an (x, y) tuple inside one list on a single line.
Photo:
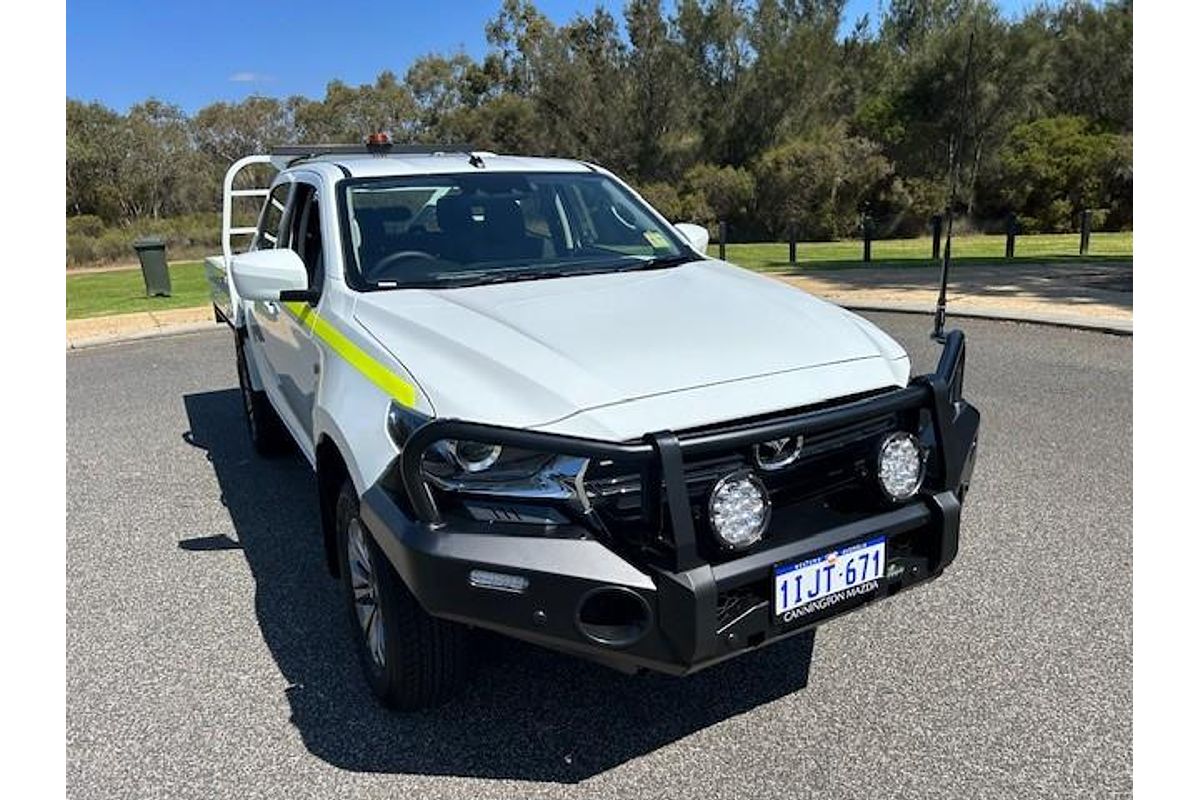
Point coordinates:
[(293, 354), (264, 321)]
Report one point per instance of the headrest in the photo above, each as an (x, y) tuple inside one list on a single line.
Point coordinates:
[(373, 219), (454, 214), (503, 218)]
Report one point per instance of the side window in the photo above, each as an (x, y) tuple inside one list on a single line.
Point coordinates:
[(271, 218), (305, 233)]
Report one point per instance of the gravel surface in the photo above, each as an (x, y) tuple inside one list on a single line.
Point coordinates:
[(209, 656)]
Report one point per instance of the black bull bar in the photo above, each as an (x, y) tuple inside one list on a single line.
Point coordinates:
[(954, 424)]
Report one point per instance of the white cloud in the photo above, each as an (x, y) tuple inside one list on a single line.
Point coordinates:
[(249, 77)]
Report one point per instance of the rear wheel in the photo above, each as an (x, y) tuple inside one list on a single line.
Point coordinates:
[(411, 660), (267, 433)]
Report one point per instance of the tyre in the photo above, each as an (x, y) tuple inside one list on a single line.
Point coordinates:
[(410, 659), (267, 433)]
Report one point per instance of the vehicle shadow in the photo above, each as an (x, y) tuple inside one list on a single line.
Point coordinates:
[(528, 713)]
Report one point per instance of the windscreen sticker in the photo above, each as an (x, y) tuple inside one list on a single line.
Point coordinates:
[(656, 240)]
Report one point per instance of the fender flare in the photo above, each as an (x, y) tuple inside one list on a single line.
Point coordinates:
[(329, 443)]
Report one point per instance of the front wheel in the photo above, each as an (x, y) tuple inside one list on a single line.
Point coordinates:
[(411, 660)]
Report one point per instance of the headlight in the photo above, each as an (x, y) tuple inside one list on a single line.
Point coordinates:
[(490, 481), (901, 465), (460, 463), (738, 509), (470, 469), (469, 457), (474, 456)]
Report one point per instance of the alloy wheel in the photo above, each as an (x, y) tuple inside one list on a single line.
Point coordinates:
[(364, 585)]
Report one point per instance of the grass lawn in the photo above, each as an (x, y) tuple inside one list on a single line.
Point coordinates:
[(98, 294), (978, 249), (121, 292)]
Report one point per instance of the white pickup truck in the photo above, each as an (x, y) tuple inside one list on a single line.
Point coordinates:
[(535, 406)]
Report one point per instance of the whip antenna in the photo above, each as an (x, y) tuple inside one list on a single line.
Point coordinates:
[(956, 145)]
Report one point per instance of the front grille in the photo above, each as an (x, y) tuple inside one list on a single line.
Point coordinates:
[(834, 466)]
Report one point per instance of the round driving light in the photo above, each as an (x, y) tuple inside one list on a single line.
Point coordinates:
[(474, 456), (738, 509), (901, 465)]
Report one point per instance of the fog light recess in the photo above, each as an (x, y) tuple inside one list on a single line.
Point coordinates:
[(613, 616)]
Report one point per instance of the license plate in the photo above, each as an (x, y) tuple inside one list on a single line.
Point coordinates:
[(822, 581)]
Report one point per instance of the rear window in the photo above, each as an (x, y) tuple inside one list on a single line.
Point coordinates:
[(271, 218)]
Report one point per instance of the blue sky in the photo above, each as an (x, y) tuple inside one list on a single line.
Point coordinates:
[(193, 54)]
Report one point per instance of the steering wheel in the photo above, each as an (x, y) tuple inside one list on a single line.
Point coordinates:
[(387, 261)]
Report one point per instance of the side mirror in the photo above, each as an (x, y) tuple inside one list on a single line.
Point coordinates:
[(696, 235), (268, 274)]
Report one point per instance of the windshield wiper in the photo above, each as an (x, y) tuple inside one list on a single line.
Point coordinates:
[(491, 276), (487, 276), (543, 274), (663, 262)]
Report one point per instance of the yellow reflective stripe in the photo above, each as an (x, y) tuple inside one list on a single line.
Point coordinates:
[(403, 391), (301, 311)]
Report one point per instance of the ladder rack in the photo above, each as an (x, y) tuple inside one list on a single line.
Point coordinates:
[(227, 229)]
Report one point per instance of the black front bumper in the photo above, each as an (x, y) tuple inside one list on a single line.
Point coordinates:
[(684, 631), (692, 613)]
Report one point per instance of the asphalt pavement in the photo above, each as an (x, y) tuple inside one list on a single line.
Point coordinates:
[(208, 654)]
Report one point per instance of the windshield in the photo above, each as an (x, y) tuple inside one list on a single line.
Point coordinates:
[(454, 230)]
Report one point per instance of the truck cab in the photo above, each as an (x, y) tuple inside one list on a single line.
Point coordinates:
[(537, 407)]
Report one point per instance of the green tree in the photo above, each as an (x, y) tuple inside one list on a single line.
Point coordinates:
[(443, 88), (664, 197), (225, 132), (1052, 169), (717, 53), (659, 111), (97, 147), (580, 92), (794, 82), (157, 173), (516, 34), (820, 185), (350, 113), (1092, 62), (712, 194), (918, 109)]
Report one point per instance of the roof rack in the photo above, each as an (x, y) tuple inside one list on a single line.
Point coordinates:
[(305, 152)]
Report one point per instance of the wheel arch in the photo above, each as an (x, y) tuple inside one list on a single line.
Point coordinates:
[(332, 472)]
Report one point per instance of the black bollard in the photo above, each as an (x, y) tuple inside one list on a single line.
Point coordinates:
[(1010, 240), (867, 226), (936, 223), (792, 245), (723, 229), (1085, 231)]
